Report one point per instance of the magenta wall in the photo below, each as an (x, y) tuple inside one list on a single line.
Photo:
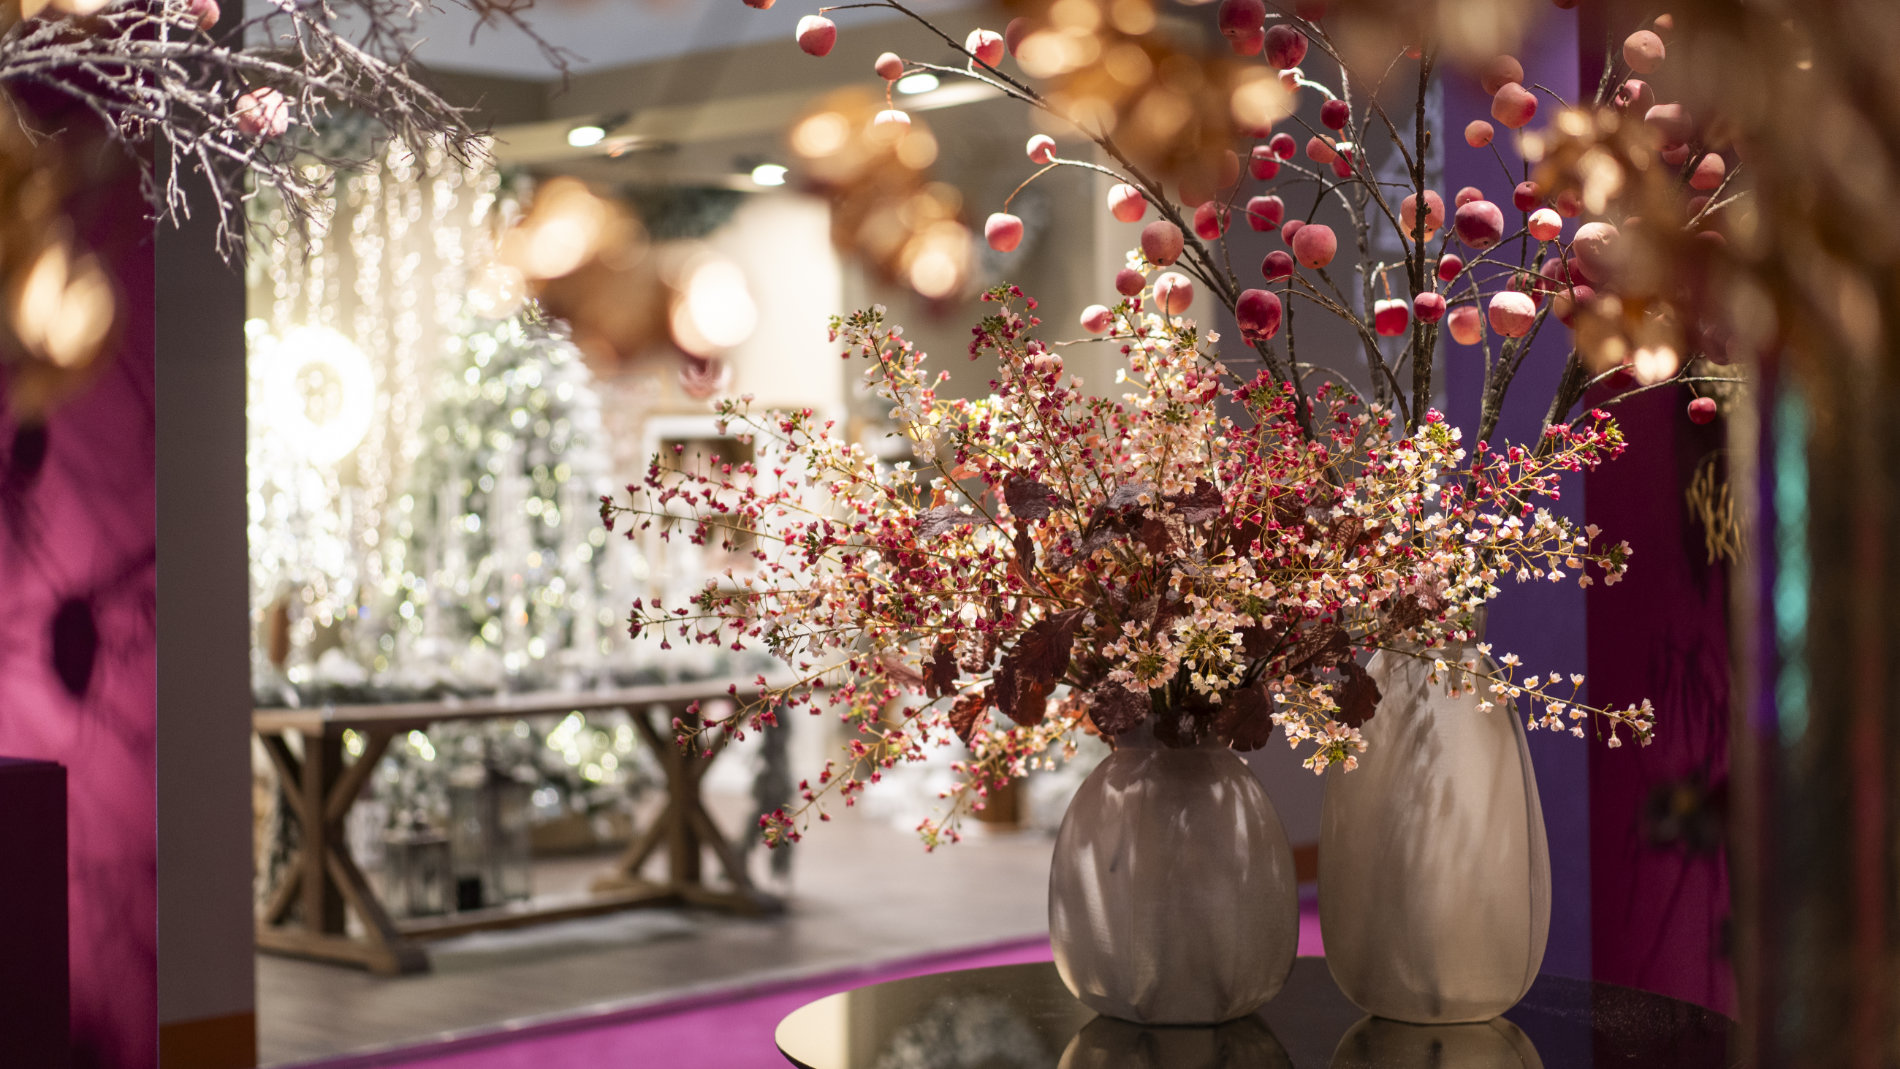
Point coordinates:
[(78, 544)]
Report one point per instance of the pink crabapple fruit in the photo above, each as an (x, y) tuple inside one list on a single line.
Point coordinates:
[(1594, 246), (1565, 302), (1479, 224), (1285, 46), (1041, 148), (1315, 245), (1677, 154), (1512, 313), (1258, 312), (1568, 203), (1643, 51), (1672, 121), (1514, 106), (1709, 172), (1265, 213), (1449, 267), (1003, 231), (1250, 43), (1240, 18), (1173, 293), (1479, 133), (1526, 197), (816, 35), (1319, 150), (1262, 163), (1465, 324), (204, 14), (1434, 214), (1097, 318), (1126, 203), (1161, 242), (1634, 95), (1334, 114), (1429, 307), (1290, 79), (1129, 282), (1283, 145), (1465, 196), (1342, 163), (890, 117), (1545, 224), (985, 45), (1210, 220), (1277, 265), (1702, 410), (1290, 228), (262, 113), (1391, 318), (1498, 72), (889, 66), (1014, 33)]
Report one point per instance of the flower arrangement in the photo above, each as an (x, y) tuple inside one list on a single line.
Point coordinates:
[(1055, 563)]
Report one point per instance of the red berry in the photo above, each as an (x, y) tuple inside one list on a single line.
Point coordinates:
[(1265, 213), (1335, 114), (1258, 312), (1003, 231), (1014, 33), (1173, 293), (1449, 267), (1126, 203), (1342, 164), (1514, 105), (985, 45), (1249, 44), (1285, 46), (1479, 224), (1210, 220), (1545, 225), (1499, 72), (1429, 307), (1569, 204), (1709, 172), (1702, 410), (1527, 197), (1262, 163), (1634, 95), (1391, 318), (1161, 242), (1283, 145), (1565, 302), (1129, 282), (1290, 228), (1276, 266), (1643, 51), (1239, 18), (1315, 245), (1677, 154), (1465, 324), (1478, 133), (1512, 313), (816, 35)]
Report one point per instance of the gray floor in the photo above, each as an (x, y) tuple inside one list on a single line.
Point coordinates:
[(863, 892)]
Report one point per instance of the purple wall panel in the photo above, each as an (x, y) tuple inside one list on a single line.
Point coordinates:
[(1659, 873), (77, 645)]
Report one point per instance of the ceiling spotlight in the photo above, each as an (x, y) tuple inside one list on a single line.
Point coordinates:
[(913, 84), (586, 136), (768, 174)]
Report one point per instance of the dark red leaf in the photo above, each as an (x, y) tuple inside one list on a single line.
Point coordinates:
[(1115, 709), (1358, 695), (895, 668), (1200, 505), (1246, 718), (967, 714), (1321, 647), (1154, 535), (1030, 670), (940, 678), (1028, 499), (941, 519)]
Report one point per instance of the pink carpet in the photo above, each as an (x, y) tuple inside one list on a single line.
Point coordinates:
[(729, 1030)]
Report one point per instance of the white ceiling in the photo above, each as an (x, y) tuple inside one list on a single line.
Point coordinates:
[(610, 33)]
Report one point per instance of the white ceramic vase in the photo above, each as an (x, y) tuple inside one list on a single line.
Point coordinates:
[(1434, 872), (1172, 897)]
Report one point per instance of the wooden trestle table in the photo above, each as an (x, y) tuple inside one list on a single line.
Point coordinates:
[(305, 913)]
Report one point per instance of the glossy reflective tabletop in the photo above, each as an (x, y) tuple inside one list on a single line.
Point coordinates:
[(1021, 1017)]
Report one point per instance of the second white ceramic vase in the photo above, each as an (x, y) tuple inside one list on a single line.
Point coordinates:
[(1434, 872)]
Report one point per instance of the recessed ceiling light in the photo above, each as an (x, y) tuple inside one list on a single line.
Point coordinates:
[(768, 174), (586, 136), (913, 84)]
